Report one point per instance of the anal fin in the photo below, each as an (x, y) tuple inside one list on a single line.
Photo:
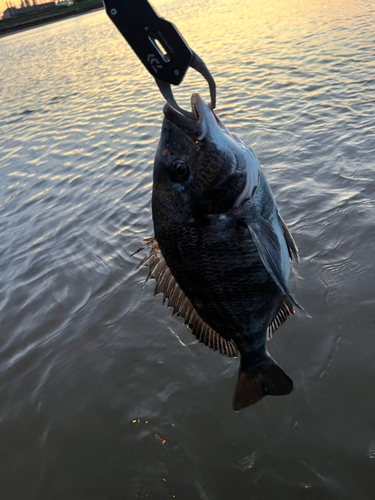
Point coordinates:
[(285, 310)]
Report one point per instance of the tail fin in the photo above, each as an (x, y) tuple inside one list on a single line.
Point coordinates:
[(258, 381)]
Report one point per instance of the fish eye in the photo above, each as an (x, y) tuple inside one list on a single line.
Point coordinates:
[(180, 171)]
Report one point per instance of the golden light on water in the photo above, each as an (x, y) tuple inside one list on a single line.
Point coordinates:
[(221, 22), (224, 33), (83, 346), (265, 30), (160, 439)]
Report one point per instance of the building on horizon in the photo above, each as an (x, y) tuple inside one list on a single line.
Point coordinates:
[(30, 6)]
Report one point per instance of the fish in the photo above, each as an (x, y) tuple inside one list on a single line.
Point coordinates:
[(221, 251)]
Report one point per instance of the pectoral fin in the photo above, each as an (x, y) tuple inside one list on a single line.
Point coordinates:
[(268, 247)]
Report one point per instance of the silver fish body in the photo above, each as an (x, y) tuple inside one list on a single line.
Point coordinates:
[(221, 250)]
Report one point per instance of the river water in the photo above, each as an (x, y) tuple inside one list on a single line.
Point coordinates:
[(104, 395)]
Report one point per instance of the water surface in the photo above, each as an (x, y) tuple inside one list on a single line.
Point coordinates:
[(105, 396)]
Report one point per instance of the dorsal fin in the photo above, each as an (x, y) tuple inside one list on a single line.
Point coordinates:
[(286, 309), (168, 286)]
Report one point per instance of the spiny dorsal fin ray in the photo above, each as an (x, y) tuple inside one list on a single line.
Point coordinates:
[(286, 309), (290, 243), (168, 286)]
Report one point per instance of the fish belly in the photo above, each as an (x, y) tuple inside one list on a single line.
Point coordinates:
[(219, 270)]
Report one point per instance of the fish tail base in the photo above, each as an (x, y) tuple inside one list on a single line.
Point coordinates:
[(266, 378)]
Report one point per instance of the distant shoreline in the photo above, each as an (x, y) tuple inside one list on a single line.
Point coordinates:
[(33, 23)]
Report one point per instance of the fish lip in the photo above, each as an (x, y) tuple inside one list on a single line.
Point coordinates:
[(191, 127), (186, 125), (199, 107)]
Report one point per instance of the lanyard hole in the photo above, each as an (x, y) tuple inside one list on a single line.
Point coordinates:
[(163, 53)]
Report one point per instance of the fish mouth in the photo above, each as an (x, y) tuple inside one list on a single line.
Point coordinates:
[(197, 127)]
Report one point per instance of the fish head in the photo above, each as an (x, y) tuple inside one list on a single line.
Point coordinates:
[(200, 167)]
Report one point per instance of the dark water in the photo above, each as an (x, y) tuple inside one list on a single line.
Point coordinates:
[(105, 396)]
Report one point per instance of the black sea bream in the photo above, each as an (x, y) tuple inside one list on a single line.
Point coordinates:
[(221, 249)]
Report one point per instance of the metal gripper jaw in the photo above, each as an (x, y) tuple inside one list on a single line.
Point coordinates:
[(159, 45)]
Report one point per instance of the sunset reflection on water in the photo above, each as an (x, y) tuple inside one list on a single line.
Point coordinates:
[(103, 393)]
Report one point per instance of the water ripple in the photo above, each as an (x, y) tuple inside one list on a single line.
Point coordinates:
[(84, 350)]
